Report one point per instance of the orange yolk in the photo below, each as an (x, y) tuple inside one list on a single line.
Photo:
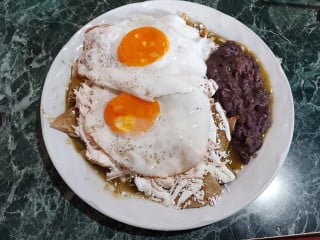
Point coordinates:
[(129, 114), (142, 46)]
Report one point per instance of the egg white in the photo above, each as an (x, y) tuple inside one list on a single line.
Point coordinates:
[(182, 69), (177, 141)]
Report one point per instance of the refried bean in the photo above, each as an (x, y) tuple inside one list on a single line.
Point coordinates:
[(242, 94)]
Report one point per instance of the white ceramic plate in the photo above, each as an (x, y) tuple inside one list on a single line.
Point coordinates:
[(251, 181)]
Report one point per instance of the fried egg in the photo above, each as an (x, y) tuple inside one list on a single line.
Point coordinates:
[(157, 139), (145, 56)]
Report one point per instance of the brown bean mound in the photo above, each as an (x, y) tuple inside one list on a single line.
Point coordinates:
[(242, 94)]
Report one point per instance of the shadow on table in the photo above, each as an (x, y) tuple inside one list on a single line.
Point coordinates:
[(76, 202)]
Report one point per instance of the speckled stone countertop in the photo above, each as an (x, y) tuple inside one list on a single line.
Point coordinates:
[(35, 203)]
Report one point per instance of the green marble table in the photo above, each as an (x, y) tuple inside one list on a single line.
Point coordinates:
[(35, 203)]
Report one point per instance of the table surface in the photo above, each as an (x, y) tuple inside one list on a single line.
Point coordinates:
[(35, 203)]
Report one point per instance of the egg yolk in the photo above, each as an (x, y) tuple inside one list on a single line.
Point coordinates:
[(127, 114), (142, 46)]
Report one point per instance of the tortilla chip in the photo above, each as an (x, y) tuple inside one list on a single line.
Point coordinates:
[(211, 189), (65, 122)]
